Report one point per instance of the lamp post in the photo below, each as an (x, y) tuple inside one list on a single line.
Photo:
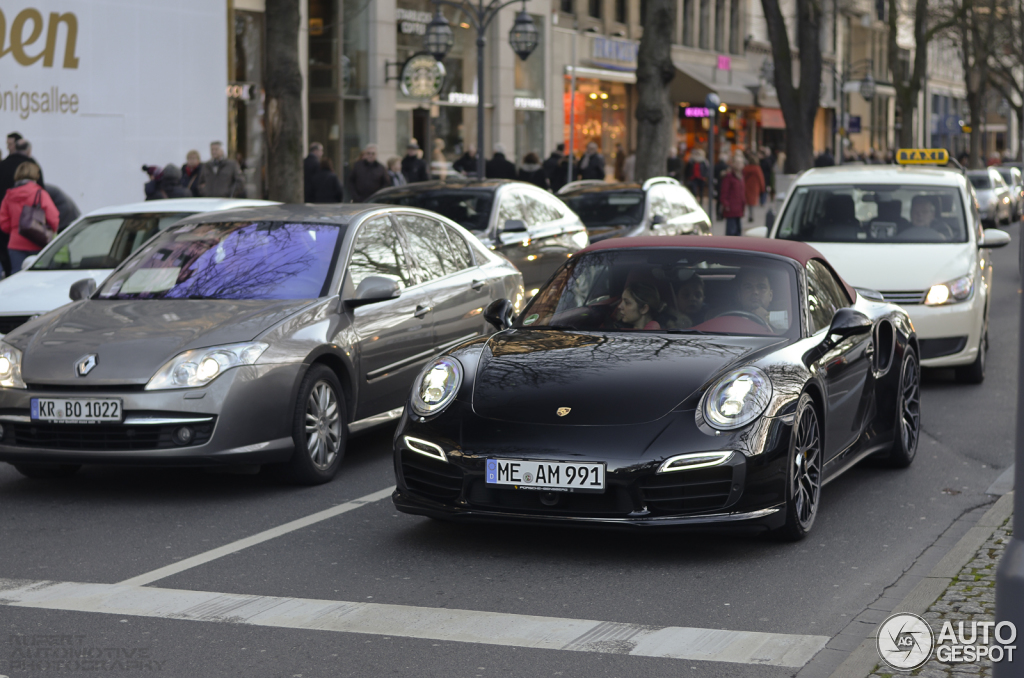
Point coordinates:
[(867, 90), (438, 41), (711, 102)]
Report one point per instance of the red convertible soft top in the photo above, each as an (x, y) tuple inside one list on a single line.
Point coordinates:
[(791, 249)]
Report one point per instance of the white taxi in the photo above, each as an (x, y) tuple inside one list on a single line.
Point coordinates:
[(912, 234)]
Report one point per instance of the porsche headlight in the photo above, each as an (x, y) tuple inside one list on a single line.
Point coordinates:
[(436, 386), (952, 292), (10, 367), (737, 399), (200, 366)]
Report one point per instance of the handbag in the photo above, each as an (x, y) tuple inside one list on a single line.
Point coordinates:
[(32, 224)]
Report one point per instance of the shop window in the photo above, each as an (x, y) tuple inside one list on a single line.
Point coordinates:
[(594, 8), (620, 11)]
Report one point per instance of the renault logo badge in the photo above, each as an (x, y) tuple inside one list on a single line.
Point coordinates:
[(562, 411), (86, 364)]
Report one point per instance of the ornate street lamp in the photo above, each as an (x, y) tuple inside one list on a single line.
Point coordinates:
[(438, 39), (523, 36), (867, 87)]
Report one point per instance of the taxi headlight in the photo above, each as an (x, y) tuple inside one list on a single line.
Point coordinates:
[(952, 292), (737, 399), (436, 386), (10, 367), (198, 367)]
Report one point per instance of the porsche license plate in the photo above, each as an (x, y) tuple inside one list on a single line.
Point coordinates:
[(558, 476), (76, 410)]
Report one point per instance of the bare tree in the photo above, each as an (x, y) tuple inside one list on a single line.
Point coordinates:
[(284, 102), (975, 31), (654, 72), (1007, 74), (799, 103)]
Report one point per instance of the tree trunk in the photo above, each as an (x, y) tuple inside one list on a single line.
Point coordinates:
[(654, 71), (799, 104), (283, 102)]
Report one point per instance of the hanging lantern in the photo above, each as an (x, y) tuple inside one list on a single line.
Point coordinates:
[(523, 36), (438, 39), (867, 87)]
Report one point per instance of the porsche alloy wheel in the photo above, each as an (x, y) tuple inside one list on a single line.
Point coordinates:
[(908, 413), (803, 490), (319, 428)]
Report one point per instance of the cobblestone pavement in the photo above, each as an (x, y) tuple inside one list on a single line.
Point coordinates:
[(971, 597)]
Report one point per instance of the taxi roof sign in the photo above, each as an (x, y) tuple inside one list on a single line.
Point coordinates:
[(922, 156)]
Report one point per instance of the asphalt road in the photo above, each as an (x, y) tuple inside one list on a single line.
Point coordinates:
[(110, 525)]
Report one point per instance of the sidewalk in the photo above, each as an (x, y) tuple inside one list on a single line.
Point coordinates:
[(718, 225)]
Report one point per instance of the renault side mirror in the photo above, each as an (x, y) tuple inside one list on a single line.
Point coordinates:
[(375, 288), (83, 289), (500, 314)]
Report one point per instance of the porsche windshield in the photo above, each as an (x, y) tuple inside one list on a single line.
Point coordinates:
[(241, 260), (608, 208), (885, 213), (669, 290)]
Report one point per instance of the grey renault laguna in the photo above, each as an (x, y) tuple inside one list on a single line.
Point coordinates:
[(253, 336)]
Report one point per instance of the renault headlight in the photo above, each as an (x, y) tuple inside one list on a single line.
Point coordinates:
[(10, 367), (200, 366), (952, 292), (737, 399), (436, 386)]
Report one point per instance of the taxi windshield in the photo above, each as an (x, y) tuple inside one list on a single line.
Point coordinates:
[(885, 213), (674, 290)]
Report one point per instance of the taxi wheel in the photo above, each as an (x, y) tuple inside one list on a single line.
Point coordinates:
[(907, 427), (319, 428), (975, 372), (803, 477), (47, 471)]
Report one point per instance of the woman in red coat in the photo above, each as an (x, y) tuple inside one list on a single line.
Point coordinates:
[(732, 197), (24, 194), (753, 183)]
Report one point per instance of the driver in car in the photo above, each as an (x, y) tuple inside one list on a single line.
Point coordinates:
[(923, 223), (754, 292)]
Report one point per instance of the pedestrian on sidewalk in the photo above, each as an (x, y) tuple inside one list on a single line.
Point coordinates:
[(499, 167), (310, 166), (324, 184), (732, 197), (532, 172), (168, 185), (591, 165), (368, 176), (414, 169), (190, 172), (554, 169), (65, 206), (753, 182), (221, 177), (697, 173), (395, 171), (26, 193), (466, 162)]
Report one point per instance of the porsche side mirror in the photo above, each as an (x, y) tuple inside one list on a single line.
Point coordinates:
[(373, 289), (657, 220), (848, 322), (994, 237), (757, 232), (514, 226), (500, 314), (83, 289)]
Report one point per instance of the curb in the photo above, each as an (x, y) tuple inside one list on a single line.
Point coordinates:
[(863, 660)]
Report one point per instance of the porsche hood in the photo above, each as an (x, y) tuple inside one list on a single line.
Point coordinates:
[(595, 379), (133, 339)]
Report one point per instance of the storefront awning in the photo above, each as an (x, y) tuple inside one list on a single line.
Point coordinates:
[(603, 74), (694, 82)]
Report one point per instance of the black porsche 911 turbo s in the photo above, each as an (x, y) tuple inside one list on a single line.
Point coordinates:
[(671, 381)]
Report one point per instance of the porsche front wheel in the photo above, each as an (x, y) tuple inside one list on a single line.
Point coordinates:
[(907, 431), (803, 477)]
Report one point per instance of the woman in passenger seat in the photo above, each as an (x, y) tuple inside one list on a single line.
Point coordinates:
[(640, 303)]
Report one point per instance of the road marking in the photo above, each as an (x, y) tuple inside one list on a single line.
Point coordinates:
[(236, 546), (463, 626)]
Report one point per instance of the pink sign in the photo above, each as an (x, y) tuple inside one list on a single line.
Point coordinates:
[(724, 63)]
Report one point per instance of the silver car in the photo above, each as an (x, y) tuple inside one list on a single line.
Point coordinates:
[(263, 335), (994, 199)]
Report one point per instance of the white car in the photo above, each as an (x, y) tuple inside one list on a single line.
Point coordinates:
[(912, 234), (92, 247)]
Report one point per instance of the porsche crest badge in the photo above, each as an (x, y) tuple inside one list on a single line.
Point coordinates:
[(562, 411)]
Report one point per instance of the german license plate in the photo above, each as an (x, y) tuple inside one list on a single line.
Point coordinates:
[(557, 476), (76, 410)]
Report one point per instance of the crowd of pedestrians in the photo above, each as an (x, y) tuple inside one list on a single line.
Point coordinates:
[(219, 177)]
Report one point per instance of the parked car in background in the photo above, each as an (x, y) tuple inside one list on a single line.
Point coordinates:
[(525, 224), (252, 336), (1015, 181), (660, 206), (994, 196), (92, 247)]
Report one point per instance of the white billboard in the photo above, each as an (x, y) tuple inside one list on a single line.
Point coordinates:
[(102, 87)]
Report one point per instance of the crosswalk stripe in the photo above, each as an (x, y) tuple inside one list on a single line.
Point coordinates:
[(464, 626)]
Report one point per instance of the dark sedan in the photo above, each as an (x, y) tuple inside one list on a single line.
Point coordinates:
[(252, 336), (527, 225), (690, 381)]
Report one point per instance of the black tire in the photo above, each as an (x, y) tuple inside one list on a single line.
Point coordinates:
[(907, 426), (803, 472), (319, 432), (975, 372), (47, 471)]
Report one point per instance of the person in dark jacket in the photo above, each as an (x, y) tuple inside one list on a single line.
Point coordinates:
[(65, 205), (591, 165), (325, 185), (825, 159), (556, 173), (414, 168), (310, 166), (368, 176), (532, 172), (169, 185), (499, 167), (190, 172), (466, 162), (767, 163)]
